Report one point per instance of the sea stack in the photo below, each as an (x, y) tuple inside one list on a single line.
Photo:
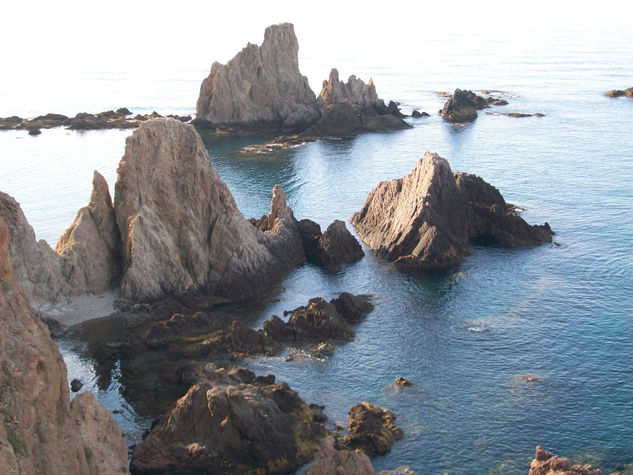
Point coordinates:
[(426, 219)]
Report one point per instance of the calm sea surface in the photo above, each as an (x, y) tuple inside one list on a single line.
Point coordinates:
[(561, 312)]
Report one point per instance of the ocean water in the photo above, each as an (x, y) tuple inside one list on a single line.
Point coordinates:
[(561, 312)]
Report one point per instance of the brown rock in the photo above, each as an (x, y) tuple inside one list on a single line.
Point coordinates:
[(331, 249), (620, 92), (91, 245), (462, 106), (371, 429), (40, 432), (231, 422), (181, 231), (260, 88), (403, 383), (355, 92), (329, 460), (545, 463)]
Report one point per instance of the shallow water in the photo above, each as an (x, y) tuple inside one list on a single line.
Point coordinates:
[(562, 312)]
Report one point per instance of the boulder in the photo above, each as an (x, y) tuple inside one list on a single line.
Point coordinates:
[(329, 460), (331, 249), (462, 106), (260, 88), (545, 463), (371, 429), (427, 219), (181, 231), (231, 422), (91, 246), (40, 430)]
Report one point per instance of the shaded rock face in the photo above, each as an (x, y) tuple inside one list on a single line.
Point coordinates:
[(231, 422), (331, 249), (40, 430), (180, 228), (426, 219), (260, 88), (329, 460), (462, 106), (371, 429), (545, 463), (91, 245)]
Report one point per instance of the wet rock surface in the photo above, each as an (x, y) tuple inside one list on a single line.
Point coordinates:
[(427, 219), (231, 421), (371, 429)]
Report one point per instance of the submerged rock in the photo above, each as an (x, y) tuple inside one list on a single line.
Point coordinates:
[(426, 219), (230, 422), (545, 463), (40, 430), (260, 88), (180, 227), (331, 249), (371, 429)]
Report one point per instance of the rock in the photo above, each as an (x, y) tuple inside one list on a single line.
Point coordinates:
[(417, 114), (620, 92), (34, 131), (331, 249), (403, 383), (47, 121), (329, 460), (123, 111), (495, 101), (393, 109), (76, 385), (462, 106), (419, 220), (371, 429), (426, 219), (545, 463), (260, 88), (231, 422), (353, 308), (181, 231), (9, 123), (91, 246), (40, 431), (317, 412), (355, 92)]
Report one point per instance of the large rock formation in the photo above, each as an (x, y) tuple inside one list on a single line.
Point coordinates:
[(230, 422), (427, 218), (91, 246), (180, 227), (355, 92), (331, 249), (40, 430), (260, 88), (545, 463)]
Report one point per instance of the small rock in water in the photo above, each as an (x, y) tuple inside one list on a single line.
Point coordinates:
[(35, 131), (403, 383), (76, 385), (529, 378)]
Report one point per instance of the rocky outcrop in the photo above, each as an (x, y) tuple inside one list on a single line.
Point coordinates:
[(620, 92), (40, 430), (427, 219), (180, 227), (260, 88), (354, 92), (545, 463), (231, 422), (91, 246), (329, 460), (331, 249), (462, 106), (371, 429)]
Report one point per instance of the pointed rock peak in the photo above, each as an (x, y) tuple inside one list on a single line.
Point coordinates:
[(100, 191), (278, 207), (279, 32), (334, 75)]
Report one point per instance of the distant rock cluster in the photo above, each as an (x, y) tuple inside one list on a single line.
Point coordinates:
[(620, 92)]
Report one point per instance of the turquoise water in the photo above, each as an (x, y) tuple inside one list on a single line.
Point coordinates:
[(562, 312)]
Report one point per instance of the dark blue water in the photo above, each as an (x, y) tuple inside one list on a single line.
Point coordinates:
[(561, 312)]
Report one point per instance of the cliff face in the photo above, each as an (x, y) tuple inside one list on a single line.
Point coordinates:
[(427, 218), (180, 228), (260, 88), (40, 431)]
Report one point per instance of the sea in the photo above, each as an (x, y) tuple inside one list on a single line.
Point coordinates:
[(559, 315)]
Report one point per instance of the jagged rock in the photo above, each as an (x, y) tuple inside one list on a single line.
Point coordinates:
[(545, 463), (371, 429), (331, 249), (355, 92), (427, 218), (417, 114), (180, 227), (420, 219), (462, 106), (40, 431), (393, 109), (231, 422), (91, 246), (260, 88), (353, 308), (403, 383), (329, 460), (620, 92)]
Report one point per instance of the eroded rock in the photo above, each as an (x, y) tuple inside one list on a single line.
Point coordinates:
[(231, 422), (620, 92), (371, 429)]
